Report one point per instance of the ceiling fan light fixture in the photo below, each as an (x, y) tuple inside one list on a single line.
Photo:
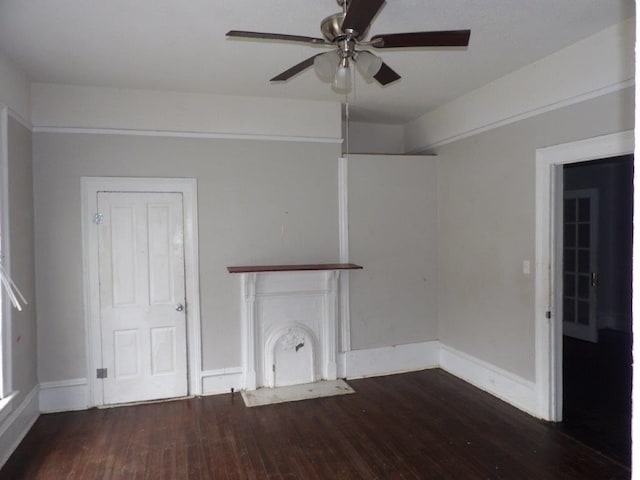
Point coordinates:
[(345, 31), (326, 65), (368, 64), (342, 78)]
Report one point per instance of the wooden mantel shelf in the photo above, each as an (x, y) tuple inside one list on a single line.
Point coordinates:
[(294, 268)]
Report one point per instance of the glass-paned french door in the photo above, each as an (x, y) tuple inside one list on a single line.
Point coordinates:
[(580, 278)]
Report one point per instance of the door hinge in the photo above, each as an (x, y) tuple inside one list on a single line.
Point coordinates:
[(98, 218), (101, 373), (273, 367), (548, 315)]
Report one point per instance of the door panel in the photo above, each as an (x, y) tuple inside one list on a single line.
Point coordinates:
[(127, 362), (141, 269), (123, 258), (161, 273), (163, 350)]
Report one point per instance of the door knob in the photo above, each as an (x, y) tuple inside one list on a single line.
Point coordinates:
[(179, 307)]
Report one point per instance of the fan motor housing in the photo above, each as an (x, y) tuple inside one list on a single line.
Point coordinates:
[(331, 28)]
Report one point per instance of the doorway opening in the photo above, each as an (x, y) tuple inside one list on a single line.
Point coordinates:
[(159, 350), (549, 186), (596, 304)]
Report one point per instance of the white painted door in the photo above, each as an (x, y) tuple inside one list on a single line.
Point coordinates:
[(580, 260), (142, 296)]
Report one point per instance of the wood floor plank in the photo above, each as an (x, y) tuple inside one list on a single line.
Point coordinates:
[(418, 425)]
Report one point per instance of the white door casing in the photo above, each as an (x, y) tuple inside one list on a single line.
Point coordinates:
[(142, 296), (90, 186), (549, 186)]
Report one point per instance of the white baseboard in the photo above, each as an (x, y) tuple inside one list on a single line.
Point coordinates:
[(64, 396), (17, 424), (222, 380), (515, 390), (67, 395), (521, 393), (374, 362)]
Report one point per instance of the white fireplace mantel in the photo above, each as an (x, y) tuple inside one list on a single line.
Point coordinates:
[(289, 323)]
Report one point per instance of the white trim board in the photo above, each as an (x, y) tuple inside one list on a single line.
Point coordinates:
[(548, 332), (344, 325), (511, 388), (64, 396), (6, 368), (74, 394), (90, 186), (18, 424), (186, 134), (498, 382), (373, 362), (222, 381)]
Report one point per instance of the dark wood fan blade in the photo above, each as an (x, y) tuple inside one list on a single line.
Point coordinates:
[(293, 71), (445, 38), (386, 75), (360, 13), (275, 36)]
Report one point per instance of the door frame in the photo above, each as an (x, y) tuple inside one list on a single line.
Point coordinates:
[(90, 186), (548, 311)]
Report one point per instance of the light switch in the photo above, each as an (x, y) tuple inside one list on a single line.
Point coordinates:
[(526, 267)]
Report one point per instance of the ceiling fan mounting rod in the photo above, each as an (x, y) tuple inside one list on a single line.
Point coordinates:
[(346, 47)]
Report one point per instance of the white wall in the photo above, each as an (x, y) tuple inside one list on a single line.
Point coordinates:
[(260, 202), (393, 234), (20, 409), (253, 173), (14, 89), (597, 65), (486, 212), (21, 224), (375, 138), (65, 106)]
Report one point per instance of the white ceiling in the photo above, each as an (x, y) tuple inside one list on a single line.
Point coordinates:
[(181, 45)]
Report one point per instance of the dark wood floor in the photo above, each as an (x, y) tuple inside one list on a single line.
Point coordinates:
[(425, 425)]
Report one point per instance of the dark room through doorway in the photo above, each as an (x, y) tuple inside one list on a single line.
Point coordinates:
[(596, 304)]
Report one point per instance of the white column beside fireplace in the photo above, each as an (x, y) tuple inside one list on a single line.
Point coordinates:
[(289, 323)]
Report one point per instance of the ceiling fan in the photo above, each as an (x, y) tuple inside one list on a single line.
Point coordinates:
[(345, 32)]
